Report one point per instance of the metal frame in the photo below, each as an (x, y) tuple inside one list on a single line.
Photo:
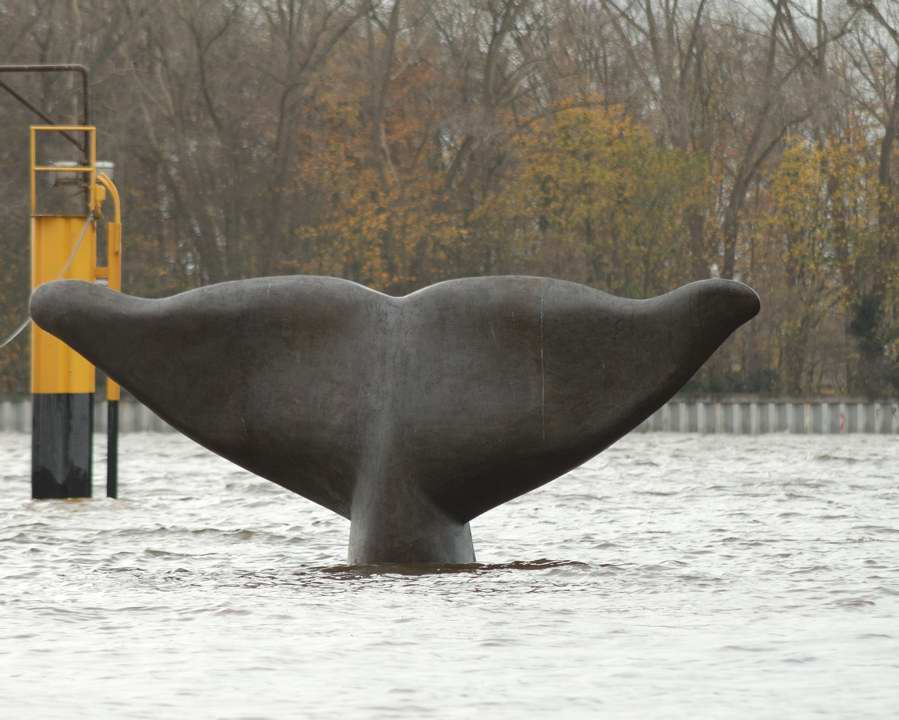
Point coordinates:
[(90, 166), (64, 67)]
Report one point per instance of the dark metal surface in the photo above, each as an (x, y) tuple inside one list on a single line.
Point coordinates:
[(112, 448), (61, 439), (411, 415)]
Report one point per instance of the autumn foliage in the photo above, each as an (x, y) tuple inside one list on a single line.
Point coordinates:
[(632, 147)]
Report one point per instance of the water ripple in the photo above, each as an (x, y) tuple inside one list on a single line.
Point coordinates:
[(674, 576)]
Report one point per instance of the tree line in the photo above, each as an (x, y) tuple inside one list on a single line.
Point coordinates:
[(633, 145)]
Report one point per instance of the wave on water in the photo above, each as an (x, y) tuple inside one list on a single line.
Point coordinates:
[(358, 571)]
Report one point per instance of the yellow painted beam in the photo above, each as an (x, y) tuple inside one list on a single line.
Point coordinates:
[(90, 169), (113, 258), (55, 367)]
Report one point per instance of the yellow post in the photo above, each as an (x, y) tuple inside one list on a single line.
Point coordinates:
[(113, 274), (113, 270), (55, 367), (62, 382)]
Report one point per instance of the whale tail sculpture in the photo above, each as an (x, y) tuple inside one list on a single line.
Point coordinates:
[(408, 415)]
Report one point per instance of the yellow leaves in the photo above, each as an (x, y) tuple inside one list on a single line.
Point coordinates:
[(378, 211), (389, 234), (821, 208), (594, 198)]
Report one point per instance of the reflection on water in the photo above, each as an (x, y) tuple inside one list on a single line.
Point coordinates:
[(359, 571), (674, 576)]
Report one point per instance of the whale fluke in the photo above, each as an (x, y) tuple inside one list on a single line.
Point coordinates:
[(408, 415)]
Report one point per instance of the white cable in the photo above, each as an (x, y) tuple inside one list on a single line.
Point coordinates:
[(18, 331), (65, 268)]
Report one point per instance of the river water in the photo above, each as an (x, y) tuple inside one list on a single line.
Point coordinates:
[(673, 576)]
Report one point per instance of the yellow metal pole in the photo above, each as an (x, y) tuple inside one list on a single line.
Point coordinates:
[(32, 177), (62, 381), (55, 367), (114, 282), (113, 258)]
